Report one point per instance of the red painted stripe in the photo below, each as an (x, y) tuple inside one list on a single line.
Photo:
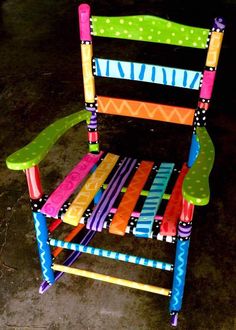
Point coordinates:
[(174, 206)]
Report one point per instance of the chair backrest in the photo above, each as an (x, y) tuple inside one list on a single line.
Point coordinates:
[(155, 30)]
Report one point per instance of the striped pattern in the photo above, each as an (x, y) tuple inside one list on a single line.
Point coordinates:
[(146, 110), (112, 255), (89, 190), (97, 218), (93, 120), (68, 262), (130, 198), (147, 73), (153, 200)]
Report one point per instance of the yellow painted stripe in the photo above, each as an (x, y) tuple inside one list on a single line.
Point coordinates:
[(113, 280), (89, 190)]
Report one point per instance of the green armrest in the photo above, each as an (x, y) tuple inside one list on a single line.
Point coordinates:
[(35, 151), (196, 183)]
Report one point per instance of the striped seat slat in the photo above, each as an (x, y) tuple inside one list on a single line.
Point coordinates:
[(146, 110), (89, 190), (69, 184), (130, 198), (147, 73), (153, 200), (174, 206), (98, 216)]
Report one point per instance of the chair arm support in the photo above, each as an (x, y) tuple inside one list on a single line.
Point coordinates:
[(196, 183), (35, 151)]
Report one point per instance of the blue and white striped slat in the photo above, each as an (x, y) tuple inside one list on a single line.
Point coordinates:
[(147, 73), (112, 255), (153, 200)]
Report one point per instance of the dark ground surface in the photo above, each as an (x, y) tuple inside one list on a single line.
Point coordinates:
[(40, 81)]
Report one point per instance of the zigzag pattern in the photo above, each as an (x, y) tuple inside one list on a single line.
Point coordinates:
[(179, 275), (43, 247), (145, 110)]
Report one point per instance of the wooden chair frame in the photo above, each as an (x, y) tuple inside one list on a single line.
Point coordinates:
[(192, 186)]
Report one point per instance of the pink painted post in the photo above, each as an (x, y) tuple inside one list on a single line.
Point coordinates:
[(207, 86), (84, 23)]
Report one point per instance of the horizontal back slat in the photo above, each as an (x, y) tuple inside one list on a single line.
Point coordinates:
[(147, 73), (146, 110), (149, 28)]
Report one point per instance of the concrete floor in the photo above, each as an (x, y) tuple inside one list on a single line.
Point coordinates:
[(40, 81)]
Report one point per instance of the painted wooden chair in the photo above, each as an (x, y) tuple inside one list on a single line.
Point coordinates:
[(113, 185)]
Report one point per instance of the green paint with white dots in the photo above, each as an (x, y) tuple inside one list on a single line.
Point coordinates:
[(34, 152), (196, 184), (149, 28)]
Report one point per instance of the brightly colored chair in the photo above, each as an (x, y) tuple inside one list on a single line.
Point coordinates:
[(119, 194)]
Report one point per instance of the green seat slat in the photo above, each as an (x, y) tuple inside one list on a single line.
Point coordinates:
[(35, 151), (149, 28), (196, 184)]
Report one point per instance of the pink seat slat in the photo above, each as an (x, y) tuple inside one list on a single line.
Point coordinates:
[(69, 184)]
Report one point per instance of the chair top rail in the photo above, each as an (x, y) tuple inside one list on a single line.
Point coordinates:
[(150, 29)]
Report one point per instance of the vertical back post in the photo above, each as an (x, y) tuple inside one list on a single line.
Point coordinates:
[(207, 82), (88, 76)]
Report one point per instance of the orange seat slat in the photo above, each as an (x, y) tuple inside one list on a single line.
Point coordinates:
[(130, 198)]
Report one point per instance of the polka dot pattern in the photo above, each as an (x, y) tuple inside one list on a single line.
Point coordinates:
[(35, 151), (149, 28), (196, 184)]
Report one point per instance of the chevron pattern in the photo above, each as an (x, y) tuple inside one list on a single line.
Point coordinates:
[(145, 110), (89, 190)]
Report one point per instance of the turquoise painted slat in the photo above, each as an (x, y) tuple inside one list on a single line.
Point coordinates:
[(153, 200), (112, 255), (147, 73)]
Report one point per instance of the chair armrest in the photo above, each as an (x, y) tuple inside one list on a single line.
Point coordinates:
[(196, 183), (35, 151)]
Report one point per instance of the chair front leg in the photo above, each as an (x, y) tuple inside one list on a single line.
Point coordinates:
[(181, 259), (40, 223)]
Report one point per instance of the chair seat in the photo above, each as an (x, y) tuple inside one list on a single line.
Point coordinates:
[(121, 194)]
